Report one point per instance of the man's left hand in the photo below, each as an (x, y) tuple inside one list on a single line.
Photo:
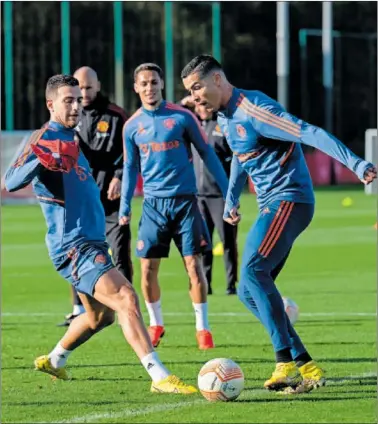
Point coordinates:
[(114, 190)]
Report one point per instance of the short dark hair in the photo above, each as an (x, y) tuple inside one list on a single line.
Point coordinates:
[(57, 81), (202, 64), (148, 67)]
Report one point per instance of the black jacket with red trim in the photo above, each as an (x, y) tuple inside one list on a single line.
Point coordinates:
[(206, 184), (100, 135)]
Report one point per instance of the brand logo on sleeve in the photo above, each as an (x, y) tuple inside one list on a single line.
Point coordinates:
[(242, 132)]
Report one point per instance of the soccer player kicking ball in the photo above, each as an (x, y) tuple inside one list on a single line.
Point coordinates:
[(266, 142), (157, 140), (70, 199)]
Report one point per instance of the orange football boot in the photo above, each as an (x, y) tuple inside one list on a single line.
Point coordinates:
[(205, 340), (156, 333)]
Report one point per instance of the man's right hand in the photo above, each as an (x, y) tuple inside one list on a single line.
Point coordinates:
[(124, 220), (188, 102), (233, 217)]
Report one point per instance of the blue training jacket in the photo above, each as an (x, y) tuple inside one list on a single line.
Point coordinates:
[(158, 143), (265, 141), (70, 199)]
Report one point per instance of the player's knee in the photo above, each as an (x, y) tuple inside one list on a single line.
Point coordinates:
[(254, 266)]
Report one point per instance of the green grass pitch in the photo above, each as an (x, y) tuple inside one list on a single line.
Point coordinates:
[(331, 274)]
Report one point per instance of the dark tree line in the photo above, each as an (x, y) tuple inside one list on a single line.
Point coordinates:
[(248, 53)]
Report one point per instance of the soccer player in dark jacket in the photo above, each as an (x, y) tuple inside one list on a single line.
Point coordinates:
[(210, 199)]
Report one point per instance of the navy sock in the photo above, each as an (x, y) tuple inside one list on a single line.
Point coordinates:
[(302, 359), (284, 355)]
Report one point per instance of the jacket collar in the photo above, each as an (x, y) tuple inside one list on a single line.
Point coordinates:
[(59, 127), (155, 111), (232, 104)]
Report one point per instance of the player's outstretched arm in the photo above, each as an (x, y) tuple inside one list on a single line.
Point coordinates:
[(199, 139), (237, 181), (24, 167), (130, 175), (272, 121)]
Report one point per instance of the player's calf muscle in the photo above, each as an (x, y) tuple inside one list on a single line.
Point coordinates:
[(194, 268), (102, 320)]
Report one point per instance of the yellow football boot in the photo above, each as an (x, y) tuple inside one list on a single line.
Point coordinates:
[(313, 375), (313, 378), (285, 375), (172, 384), (42, 363)]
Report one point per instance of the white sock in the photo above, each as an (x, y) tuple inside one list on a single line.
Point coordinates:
[(155, 313), (78, 309), (58, 357), (154, 367), (202, 319)]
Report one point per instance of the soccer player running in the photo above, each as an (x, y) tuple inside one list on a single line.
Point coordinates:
[(70, 200), (157, 140), (266, 142)]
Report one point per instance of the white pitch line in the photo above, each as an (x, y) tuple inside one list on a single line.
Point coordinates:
[(128, 413), (337, 382), (135, 412), (214, 314)]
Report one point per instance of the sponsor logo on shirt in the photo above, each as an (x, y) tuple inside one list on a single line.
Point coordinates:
[(159, 147)]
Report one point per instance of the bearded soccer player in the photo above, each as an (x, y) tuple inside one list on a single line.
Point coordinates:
[(158, 138), (70, 200), (265, 141)]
